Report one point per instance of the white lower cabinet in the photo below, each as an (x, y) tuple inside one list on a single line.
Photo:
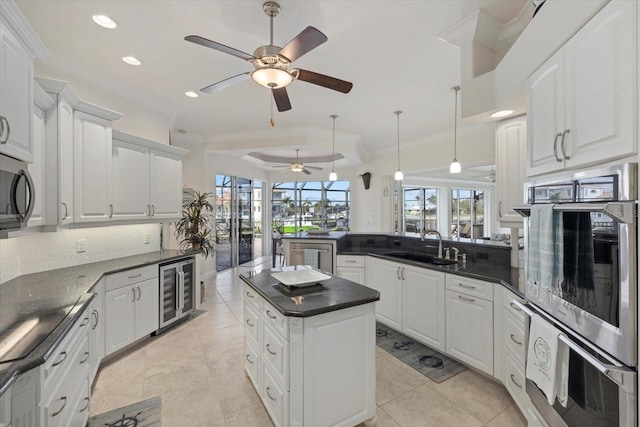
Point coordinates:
[(470, 322), (24, 398), (423, 311), (96, 331), (5, 409), (352, 267), (292, 364), (385, 277), (131, 306)]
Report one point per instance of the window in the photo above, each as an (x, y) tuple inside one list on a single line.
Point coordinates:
[(420, 209), (467, 212), (310, 205)]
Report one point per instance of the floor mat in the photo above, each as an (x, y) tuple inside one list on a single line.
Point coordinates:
[(429, 362), (140, 414)]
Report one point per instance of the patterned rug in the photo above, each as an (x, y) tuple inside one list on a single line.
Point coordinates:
[(430, 363), (140, 414)]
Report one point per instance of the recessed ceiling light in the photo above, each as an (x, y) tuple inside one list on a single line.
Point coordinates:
[(104, 21), (131, 60), (191, 94), (502, 113)]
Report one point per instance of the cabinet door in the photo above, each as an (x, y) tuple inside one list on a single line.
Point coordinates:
[(96, 333), (63, 177), (166, 185), (92, 168), (169, 293), (355, 274), (545, 116), (146, 307), (511, 158), (385, 278), (130, 173), (188, 283), (470, 330), (423, 307), (601, 110), (119, 318), (36, 169), (16, 96)]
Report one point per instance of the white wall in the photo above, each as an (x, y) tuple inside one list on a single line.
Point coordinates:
[(46, 251)]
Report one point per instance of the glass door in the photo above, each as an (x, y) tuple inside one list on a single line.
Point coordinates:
[(235, 222)]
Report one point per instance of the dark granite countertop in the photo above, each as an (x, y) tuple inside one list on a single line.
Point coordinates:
[(67, 289), (332, 294)]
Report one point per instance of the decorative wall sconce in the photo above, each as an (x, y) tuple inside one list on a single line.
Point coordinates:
[(366, 180)]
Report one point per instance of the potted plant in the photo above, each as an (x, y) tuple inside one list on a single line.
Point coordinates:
[(194, 230)]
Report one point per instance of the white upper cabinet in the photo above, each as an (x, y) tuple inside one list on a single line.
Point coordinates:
[(511, 159), (92, 173), (147, 179), (42, 103), (19, 46), (581, 103)]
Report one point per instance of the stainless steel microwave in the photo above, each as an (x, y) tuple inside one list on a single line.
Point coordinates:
[(17, 194)]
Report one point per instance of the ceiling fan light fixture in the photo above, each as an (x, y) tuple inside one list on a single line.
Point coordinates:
[(104, 21), (272, 77), (297, 167)]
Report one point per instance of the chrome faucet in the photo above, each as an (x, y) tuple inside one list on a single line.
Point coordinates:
[(439, 240)]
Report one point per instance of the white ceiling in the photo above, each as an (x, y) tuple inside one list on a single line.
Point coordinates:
[(388, 49)]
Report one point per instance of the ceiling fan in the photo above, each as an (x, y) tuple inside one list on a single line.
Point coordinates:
[(297, 164), (272, 62)]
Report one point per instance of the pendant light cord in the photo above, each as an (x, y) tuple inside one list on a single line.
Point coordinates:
[(397, 113), (333, 146), (455, 125)]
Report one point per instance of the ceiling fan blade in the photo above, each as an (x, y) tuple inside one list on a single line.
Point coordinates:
[(281, 166), (306, 171), (322, 80), (313, 167), (282, 99), (219, 47), (226, 83), (308, 39)]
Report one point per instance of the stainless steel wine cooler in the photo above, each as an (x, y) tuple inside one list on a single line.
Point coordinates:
[(177, 290)]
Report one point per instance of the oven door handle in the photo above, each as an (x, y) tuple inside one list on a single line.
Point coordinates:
[(624, 211), (622, 376)]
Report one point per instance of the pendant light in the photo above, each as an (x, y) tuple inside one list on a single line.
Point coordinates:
[(332, 175), (455, 165), (398, 176)]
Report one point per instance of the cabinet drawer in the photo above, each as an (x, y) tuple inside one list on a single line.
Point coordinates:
[(275, 354), (129, 277), (514, 379), (62, 357), (80, 411), (252, 361), (275, 399), (465, 285), (60, 404), (512, 308), (277, 320), (251, 297), (350, 261), (252, 324), (514, 337)]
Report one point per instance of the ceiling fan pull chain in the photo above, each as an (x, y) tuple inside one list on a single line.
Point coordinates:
[(271, 122)]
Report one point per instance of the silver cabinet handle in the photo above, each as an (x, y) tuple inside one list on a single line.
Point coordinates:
[(85, 406), (153, 210), (86, 358), (66, 211), (139, 293), (463, 298), (270, 315), (513, 338), (110, 210), (514, 306), (2, 141), (249, 359), (62, 359), (500, 209), (350, 261), (249, 294), (562, 144), (398, 273), (84, 322), (513, 380), (402, 273), (3, 122), (555, 147), (269, 394), (64, 403), (249, 323), (269, 350), (147, 211), (134, 295), (135, 275), (96, 316), (462, 285)]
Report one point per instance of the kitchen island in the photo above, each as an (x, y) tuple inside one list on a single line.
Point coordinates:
[(310, 351)]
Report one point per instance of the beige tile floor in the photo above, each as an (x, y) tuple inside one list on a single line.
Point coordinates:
[(197, 369)]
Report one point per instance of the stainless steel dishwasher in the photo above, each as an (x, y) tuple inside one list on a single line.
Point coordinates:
[(318, 255)]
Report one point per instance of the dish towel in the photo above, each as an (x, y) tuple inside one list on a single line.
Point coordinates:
[(311, 257), (548, 360), (545, 256)]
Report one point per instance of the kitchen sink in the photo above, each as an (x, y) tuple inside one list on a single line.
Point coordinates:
[(418, 257)]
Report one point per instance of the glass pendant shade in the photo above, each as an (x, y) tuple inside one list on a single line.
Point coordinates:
[(398, 176), (455, 167), (333, 176)]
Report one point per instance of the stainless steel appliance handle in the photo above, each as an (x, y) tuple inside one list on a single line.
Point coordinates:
[(621, 375), (181, 275), (302, 250), (32, 194), (13, 199), (177, 289), (555, 147), (623, 212)]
